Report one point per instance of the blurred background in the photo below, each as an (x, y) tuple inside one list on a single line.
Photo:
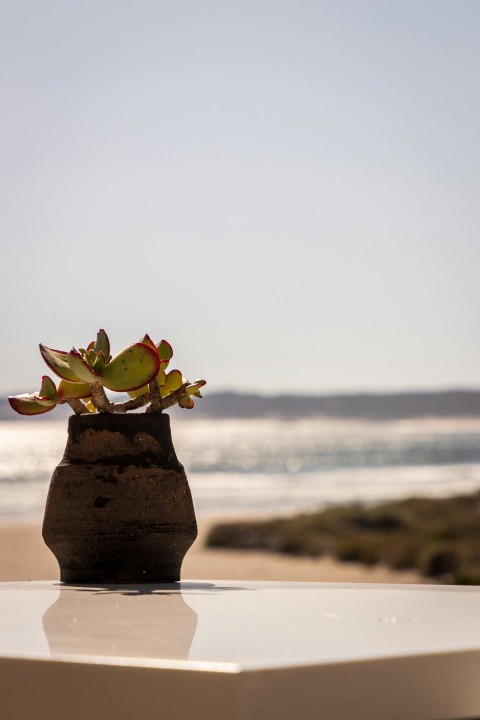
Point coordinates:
[(286, 191)]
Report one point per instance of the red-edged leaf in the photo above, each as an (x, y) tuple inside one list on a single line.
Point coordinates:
[(164, 391), (27, 405), (71, 391), (165, 350), (194, 388), (47, 388), (99, 363), (147, 340), (131, 368), (82, 372), (173, 380), (102, 343), (138, 391), (57, 360), (186, 402)]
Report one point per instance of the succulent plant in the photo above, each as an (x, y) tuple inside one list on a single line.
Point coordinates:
[(139, 370)]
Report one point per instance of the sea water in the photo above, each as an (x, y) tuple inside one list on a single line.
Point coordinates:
[(258, 467)]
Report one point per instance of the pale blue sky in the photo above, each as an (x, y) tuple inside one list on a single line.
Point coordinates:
[(286, 190)]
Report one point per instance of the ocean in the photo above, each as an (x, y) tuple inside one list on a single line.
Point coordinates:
[(260, 467)]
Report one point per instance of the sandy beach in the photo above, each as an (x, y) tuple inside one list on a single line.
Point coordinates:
[(24, 556)]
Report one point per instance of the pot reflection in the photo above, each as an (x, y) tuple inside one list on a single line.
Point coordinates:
[(147, 621)]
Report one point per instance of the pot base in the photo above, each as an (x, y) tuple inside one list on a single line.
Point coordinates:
[(157, 558)]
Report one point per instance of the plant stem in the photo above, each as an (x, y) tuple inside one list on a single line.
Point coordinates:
[(99, 399), (154, 396), (169, 400), (140, 401), (77, 406)]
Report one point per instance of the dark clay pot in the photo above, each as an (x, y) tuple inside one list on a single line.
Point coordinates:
[(119, 509)]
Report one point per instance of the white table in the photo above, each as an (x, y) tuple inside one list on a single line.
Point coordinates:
[(238, 651)]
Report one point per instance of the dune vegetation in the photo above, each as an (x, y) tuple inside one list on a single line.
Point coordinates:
[(439, 537)]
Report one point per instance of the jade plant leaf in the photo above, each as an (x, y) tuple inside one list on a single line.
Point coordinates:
[(165, 353), (194, 388), (165, 350), (131, 368), (138, 391), (173, 380), (137, 369), (99, 362), (28, 405), (102, 343), (58, 361), (160, 377), (82, 372), (186, 402), (47, 388), (147, 340), (73, 391)]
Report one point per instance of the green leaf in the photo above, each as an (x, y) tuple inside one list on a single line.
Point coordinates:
[(80, 368), (48, 389), (165, 350), (28, 405), (102, 343), (89, 356), (147, 340), (139, 391), (194, 388), (186, 402), (57, 360), (99, 362), (173, 380), (131, 368), (160, 377), (72, 391)]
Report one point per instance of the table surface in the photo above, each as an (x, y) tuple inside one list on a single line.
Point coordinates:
[(245, 627)]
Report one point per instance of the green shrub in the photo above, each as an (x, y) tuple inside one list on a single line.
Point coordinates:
[(439, 559), (438, 537)]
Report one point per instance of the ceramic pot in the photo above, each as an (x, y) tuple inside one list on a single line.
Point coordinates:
[(119, 508)]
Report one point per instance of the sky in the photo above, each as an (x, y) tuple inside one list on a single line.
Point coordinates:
[(286, 190)]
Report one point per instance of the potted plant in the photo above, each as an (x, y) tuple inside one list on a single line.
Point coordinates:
[(119, 508)]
